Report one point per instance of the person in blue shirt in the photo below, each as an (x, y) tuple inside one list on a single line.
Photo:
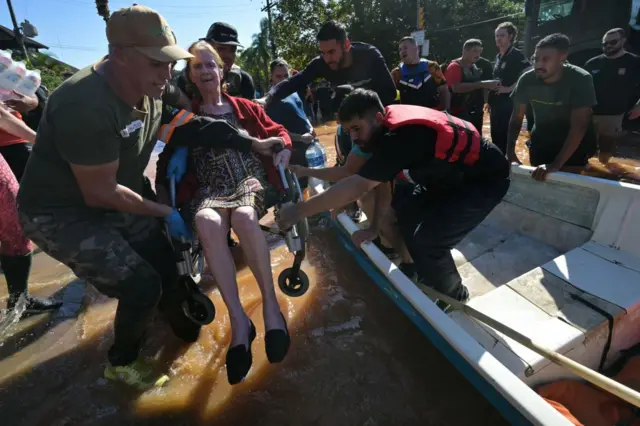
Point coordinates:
[(289, 112)]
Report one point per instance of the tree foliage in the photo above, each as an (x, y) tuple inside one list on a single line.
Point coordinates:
[(52, 72), (255, 59), (296, 23), (383, 22)]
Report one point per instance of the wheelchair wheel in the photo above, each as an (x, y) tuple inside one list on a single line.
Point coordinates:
[(293, 285), (199, 308)]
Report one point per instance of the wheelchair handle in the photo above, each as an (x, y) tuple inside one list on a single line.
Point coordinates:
[(172, 193), (283, 176)]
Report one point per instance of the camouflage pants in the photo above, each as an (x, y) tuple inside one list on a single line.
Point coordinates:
[(124, 256)]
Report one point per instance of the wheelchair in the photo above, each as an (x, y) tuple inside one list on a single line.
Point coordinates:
[(293, 281), (343, 145)]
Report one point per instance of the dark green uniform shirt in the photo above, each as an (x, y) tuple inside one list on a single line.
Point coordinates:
[(552, 105), (85, 123)]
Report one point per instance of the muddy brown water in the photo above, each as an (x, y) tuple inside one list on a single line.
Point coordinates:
[(355, 358)]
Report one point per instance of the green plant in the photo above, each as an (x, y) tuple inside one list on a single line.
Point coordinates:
[(52, 72)]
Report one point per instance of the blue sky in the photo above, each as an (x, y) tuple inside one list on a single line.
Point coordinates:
[(76, 34)]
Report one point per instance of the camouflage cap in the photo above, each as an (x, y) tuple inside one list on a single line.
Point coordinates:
[(145, 30)]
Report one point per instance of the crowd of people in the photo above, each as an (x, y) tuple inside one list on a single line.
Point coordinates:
[(411, 154)]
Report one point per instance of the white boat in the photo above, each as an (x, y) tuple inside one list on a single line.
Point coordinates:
[(557, 261)]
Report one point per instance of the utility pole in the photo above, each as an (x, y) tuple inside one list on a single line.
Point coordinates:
[(103, 9), (267, 8), (17, 32), (420, 16)]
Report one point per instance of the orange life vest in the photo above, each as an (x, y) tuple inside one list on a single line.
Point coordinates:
[(457, 140)]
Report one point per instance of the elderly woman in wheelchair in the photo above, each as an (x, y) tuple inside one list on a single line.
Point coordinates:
[(230, 188)]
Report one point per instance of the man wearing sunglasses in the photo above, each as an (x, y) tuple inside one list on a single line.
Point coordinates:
[(616, 77)]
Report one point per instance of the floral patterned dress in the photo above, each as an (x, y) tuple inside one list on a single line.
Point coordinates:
[(228, 178)]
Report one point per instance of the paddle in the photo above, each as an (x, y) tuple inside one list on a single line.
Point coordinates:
[(621, 391)]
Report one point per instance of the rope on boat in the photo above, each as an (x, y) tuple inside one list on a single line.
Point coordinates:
[(610, 320), (621, 391)]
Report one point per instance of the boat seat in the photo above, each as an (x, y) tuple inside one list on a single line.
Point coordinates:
[(489, 257), (568, 305)]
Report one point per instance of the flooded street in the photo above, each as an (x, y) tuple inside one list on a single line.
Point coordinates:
[(355, 358)]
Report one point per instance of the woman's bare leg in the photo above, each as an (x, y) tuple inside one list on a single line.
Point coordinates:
[(212, 227), (244, 221)]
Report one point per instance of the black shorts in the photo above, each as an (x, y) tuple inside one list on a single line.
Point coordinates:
[(16, 156), (402, 192)]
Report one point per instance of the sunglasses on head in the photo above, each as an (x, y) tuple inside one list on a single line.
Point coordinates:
[(610, 42)]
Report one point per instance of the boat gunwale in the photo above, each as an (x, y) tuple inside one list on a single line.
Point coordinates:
[(515, 400)]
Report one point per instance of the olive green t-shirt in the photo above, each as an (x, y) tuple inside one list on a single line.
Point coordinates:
[(85, 123), (552, 105)]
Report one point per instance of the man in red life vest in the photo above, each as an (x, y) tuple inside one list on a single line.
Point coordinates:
[(460, 178)]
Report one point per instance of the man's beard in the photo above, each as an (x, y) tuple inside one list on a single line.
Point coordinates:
[(342, 60), (369, 146), (612, 52), (364, 146)]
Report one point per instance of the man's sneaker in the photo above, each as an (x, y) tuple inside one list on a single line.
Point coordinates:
[(354, 212), (409, 269), (139, 374)]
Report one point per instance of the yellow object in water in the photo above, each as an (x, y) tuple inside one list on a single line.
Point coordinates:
[(139, 374)]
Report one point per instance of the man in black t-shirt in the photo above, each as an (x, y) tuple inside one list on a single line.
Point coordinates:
[(616, 77), (341, 62), (224, 38), (459, 181), (510, 64)]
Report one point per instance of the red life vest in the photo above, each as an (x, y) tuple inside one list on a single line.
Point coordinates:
[(457, 140)]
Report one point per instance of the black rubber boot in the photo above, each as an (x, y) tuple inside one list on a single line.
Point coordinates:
[(16, 272), (409, 269), (387, 251)]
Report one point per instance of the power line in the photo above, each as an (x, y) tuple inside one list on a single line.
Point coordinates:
[(83, 48), (475, 23), (160, 6), (197, 14)]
